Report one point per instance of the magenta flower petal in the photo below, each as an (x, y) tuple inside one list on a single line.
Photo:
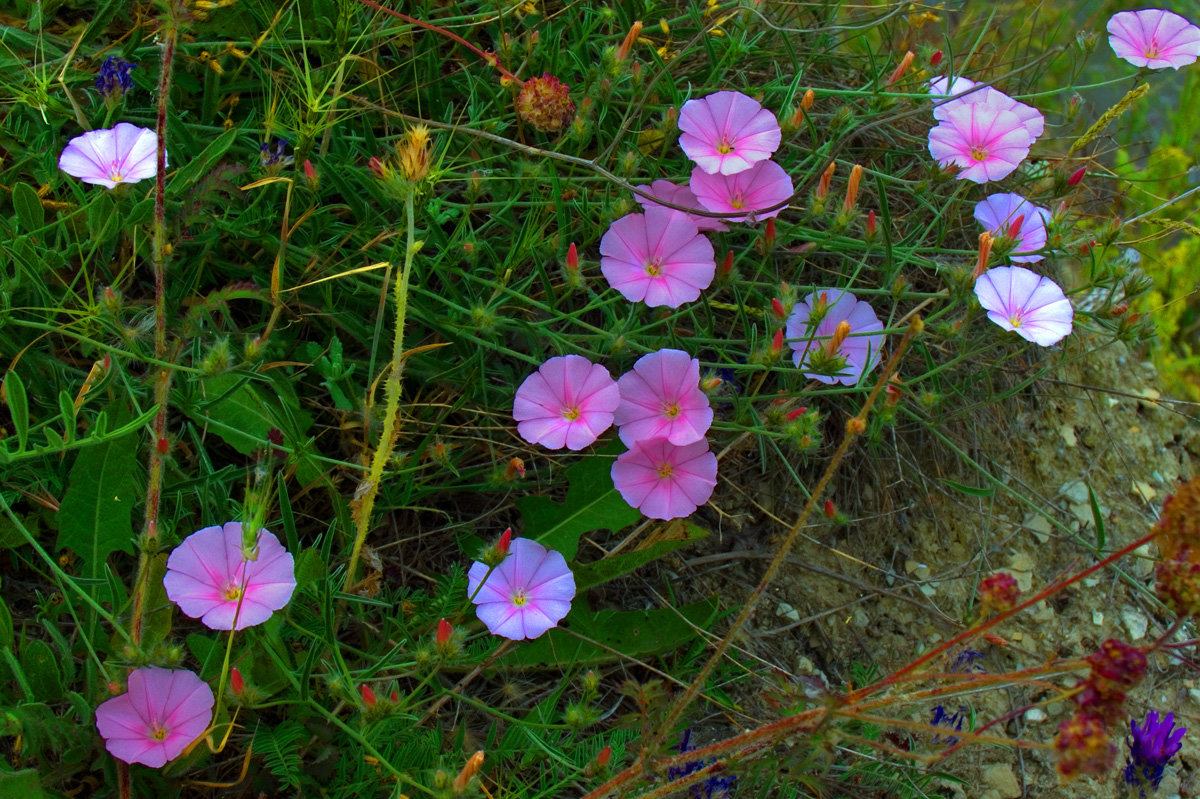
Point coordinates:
[(665, 481), (568, 402), (999, 212), (946, 86), (122, 154), (1020, 300), (727, 132), (680, 195), (661, 398), (659, 258), (861, 348), (527, 594), (208, 573), (984, 142), (762, 186), (1031, 118), (163, 711), (1154, 38)]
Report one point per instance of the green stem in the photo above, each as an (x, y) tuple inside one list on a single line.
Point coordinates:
[(387, 441)]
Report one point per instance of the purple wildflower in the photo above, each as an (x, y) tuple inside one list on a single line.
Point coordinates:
[(711, 788), (1151, 749), (114, 79)]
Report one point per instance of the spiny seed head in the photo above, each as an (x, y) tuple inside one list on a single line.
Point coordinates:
[(545, 103)]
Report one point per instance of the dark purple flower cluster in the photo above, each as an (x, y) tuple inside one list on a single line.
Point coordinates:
[(711, 788), (114, 79), (275, 155), (1151, 748)]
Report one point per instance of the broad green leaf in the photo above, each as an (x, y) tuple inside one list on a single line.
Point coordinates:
[(194, 169), (30, 212), (94, 518), (25, 784), (615, 632), (592, 504), (310, 567), (675, 535), (18, 406), (40, 664), (242, 412)]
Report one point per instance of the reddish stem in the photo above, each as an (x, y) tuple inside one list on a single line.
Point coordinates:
[(489, 58)]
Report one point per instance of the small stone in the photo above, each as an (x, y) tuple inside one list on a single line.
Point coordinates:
[(1074, 491), (1042, 613), (1021, 567), (1035, 715), (917, 569), (1067, 431), (787, 611), (1135, 623), (1142, 489), (1040, 526), (927, 589), (1000, 778), (1098, 618)]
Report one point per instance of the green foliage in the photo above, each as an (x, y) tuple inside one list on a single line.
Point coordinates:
[(280, 749)]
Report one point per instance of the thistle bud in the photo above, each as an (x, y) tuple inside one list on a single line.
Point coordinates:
[(901, 68), (413, 153)]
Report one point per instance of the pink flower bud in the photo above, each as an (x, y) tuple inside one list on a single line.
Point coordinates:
[(1077, 177), (604, 756), (935, 59), (376, 166), (572, 258), (368, 696), (777, 342), (830, 510), (777, 308), (505, 542), (796, 413), (310, 174), (1014, 230), (236, 684), (444, 631), (769, 233), (871, 225)]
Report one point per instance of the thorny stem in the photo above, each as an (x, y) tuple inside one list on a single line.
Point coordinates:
[(387, 439), (488, 58)]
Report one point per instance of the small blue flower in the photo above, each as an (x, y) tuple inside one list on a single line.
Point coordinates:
[(1151, 748), (711, 788), (114, 79), (951, 721), (275, 156)]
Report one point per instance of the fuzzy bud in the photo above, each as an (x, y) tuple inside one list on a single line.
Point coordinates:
[(1084, 747), (999, 591), (368, 696), (545, 103), (935, 59), (627, 43)]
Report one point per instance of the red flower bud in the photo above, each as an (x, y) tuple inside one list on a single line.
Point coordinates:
[(572, 258), (777, 308), (310, 174), (935, 59), (163, 446), (1077, 177), (604, 756), (394, 697), (830, 510), (236, 684), (769, 234), (871, 225), (368, 696), (777, 342), (796, 413), (727, 264), (505, 541), (376, 166), (444, 632), (1014, 230)]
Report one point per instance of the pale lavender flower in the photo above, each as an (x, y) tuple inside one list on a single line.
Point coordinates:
[(122, 154), (1032, 306)]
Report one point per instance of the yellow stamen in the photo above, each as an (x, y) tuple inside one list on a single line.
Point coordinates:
[(978, 153), (666, 470), (571, 414), (671, 410)]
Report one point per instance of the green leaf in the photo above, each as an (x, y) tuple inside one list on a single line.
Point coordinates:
[(676, 534), (1098, 518), (190, 173), (6, 626), (102, 218), (242, 413), (94, 517), (310, 567), (280, 749), (634, 633), (592, 504), (40, 665), (970, 490), (18, 406), (25, 784), (30, 212)]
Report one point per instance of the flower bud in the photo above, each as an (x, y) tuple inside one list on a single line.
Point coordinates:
[(368, 696), (851, 201), (871, 230), (627, 43), (237, 686), (830, 509), (823, 183), (778, 309), (769, 235), (514, 470), (1014, 230), (999, 591), (806, 102), (572, 258), (777, 343), (796, 413), (935, 59), (604, 756), (901, 68), (505, 541), (1077, 177), (985, 253), (310, 174), (444, 631), (468, 771)]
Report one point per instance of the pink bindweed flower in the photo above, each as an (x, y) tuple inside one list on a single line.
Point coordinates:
[(665, 481), (1154, 38), (680, 195), (984, 142), (1025, 302), (861, 352), (1030, 117), (659, 258), (727, 132), (661, 398), (568, 402), (1000, 212), (758, 188), (527, 594), (946, 86), (122, 154), (163, 711), (209, 575)]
